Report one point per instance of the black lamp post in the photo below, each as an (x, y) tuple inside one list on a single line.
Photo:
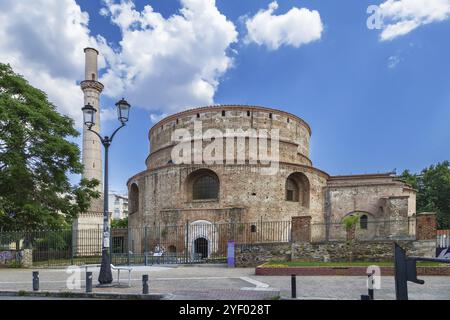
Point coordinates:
[(123, 109)]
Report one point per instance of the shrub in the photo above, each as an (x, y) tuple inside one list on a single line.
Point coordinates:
[(350, 221)]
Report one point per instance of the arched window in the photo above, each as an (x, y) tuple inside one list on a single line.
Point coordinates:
[(291, 190), (205, 187), (363, 222), (133, 198), (297, 189), (202, 184)]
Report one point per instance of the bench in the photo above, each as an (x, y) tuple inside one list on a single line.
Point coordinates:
[(113, 267), (118, 273)]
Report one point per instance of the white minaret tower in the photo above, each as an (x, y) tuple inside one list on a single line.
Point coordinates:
[(92, 152), (90, 224)]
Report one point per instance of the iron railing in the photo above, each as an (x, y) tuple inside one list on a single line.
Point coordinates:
[(443, 238), (186, 243)]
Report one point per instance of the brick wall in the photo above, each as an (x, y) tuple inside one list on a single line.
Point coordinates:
[(301, 229), (426, 226)]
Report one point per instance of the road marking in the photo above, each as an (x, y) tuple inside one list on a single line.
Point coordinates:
[(258, 285)]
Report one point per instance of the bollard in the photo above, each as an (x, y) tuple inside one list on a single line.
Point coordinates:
[(145, 284), (35, 280), (88, 281), (370, 286), (293, 287)]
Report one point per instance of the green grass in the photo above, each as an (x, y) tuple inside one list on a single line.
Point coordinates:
[(297, 263)]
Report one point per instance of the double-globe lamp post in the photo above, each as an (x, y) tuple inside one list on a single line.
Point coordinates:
[(89, 112)]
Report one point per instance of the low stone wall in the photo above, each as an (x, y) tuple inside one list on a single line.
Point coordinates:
[(359, 250), (256, 254), (252, 255), (22, 257)]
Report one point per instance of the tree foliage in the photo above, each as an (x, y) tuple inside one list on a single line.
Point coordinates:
[(350, 221), (35, 159), (119, 223), (433, 191)]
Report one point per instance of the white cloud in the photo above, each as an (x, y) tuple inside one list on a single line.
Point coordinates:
[(44, 41), (107, 114), (393, 61), (296, 27), (403, 16), (168, 64), (154, 118), (160, 64)]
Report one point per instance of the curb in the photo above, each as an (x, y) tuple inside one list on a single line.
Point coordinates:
[(82, 295), (344, 271)]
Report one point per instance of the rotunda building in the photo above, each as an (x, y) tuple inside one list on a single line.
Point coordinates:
[(235, 190)]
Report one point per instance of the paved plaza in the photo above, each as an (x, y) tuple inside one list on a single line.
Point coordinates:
[(209, 282)]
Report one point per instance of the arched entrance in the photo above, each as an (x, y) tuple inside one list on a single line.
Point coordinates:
[(201, 248)]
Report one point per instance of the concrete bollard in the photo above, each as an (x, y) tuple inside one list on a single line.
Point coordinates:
[(88, 281), (145, 284), (293, 286), (35, 280)]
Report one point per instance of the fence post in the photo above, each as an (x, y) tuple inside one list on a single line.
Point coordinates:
[(99, 237), (71, 244), (111, 248), (48, 248), (186, 246), (128, 244), (145, 245), (159, 235)]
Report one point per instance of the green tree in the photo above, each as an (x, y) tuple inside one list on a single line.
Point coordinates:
[(35, 159), (119, 223), (433, 191)]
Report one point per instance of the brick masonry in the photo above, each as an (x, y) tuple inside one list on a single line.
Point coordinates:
[(301, 229), (255, 255), (162, 191), (426, 226)]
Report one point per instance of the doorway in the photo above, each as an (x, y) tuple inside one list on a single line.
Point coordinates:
[(201, 248)]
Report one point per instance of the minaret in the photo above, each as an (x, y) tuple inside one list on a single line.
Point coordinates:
[(92, 152)]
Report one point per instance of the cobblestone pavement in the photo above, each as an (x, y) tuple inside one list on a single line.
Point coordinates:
[(217, 282)]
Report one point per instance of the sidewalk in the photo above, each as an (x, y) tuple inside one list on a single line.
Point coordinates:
[(213, 282)]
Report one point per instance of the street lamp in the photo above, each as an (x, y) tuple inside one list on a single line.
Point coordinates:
[(89, 112)]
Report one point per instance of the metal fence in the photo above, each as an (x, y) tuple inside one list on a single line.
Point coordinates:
[(191, 242), (443, 238), (56, 247), (188, 243)]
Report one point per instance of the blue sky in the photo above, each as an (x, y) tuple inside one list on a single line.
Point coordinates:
[(373, 104)]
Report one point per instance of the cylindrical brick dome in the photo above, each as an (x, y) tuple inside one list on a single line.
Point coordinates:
[(294, 133)]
